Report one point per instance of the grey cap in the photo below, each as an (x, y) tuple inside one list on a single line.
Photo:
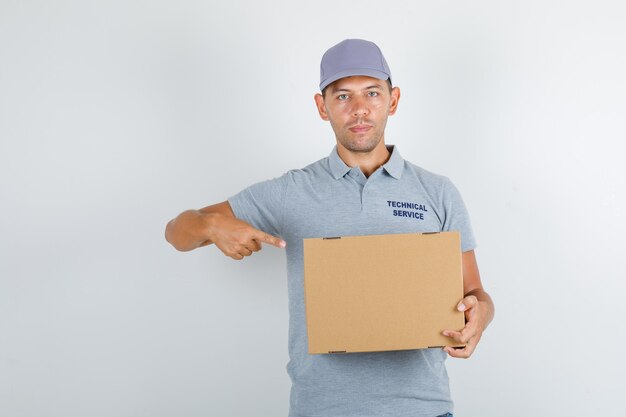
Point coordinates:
[(353, 57)]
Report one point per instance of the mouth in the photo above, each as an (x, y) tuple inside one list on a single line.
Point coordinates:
[(359, 128)]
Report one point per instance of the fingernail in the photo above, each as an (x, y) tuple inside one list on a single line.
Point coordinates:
[(445, 333), (461, 307), (282, 244)]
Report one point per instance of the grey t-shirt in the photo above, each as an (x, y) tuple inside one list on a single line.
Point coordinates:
[(328, 198)]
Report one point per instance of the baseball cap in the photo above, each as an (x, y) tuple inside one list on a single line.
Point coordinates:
[(353, 57)]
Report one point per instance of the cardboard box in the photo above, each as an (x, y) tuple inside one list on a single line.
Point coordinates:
[(385, 292)]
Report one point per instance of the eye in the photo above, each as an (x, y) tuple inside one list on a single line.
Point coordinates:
[(372, 93), (342, 97)]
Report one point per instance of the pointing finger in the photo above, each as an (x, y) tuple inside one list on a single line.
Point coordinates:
[(272, 240)]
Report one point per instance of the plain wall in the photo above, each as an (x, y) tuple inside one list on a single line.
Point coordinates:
[(115, 116)]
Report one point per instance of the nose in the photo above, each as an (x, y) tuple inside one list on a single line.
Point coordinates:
[(359, 107)]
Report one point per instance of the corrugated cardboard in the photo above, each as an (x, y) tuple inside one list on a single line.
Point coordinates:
[(385, 292)]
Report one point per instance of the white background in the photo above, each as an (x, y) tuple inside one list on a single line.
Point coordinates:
[(115, 116)]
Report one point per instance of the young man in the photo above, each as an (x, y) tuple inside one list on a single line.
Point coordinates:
[(351, 192)]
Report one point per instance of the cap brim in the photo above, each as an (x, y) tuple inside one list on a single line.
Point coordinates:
[(352, 72)]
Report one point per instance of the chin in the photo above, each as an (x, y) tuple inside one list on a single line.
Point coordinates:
[(360, 147)]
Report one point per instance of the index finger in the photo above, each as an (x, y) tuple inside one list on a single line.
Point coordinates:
[(272, 240), (462, 336)]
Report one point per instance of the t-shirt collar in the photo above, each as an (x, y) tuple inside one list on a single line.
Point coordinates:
[(394, 166)]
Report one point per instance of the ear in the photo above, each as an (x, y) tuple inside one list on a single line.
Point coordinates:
[(321, 107), (395, 97)]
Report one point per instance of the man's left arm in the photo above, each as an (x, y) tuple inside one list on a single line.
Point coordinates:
[(478, 308)]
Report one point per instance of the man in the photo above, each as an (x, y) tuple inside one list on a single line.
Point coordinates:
[(351, 192)]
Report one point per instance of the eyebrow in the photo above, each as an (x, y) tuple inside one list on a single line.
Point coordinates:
[(369, 87)]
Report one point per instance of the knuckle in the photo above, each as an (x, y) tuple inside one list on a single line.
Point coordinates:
[(233, 254)]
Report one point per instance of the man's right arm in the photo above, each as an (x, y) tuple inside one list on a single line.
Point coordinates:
[(217, 225)]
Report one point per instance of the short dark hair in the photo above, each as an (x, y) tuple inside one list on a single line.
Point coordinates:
[(325, 88)]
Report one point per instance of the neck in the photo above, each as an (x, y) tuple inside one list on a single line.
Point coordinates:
[(368, 162)]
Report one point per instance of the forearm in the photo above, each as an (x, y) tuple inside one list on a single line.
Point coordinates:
[(189, 230), (217, 225)]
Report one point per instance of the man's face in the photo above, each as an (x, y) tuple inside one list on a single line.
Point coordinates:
[(357, 108)]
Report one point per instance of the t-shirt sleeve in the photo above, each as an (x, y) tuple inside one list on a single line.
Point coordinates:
[(262, 205), (456, 216)]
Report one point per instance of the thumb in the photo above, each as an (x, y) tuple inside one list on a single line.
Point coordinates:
[(272, 240), (467, 303)]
